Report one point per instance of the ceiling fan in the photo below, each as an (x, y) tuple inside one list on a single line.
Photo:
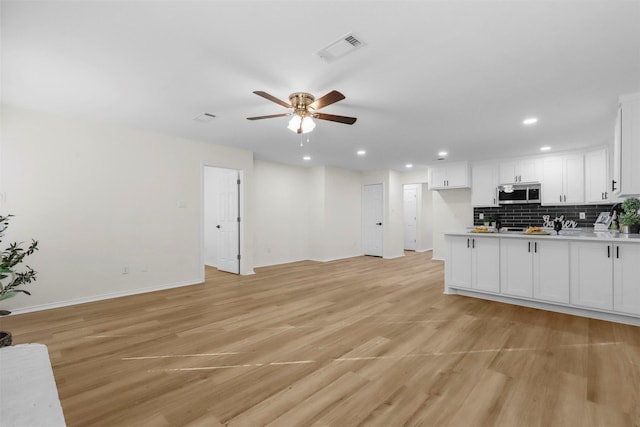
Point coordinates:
[(305, 108)]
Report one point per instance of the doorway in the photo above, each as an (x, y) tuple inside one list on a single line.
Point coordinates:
[(221, 218), (410, 209), (372, 214)]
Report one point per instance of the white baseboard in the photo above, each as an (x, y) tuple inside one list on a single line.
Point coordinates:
[(101, 297)]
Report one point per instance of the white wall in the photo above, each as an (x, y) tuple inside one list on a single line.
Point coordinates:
[(306, 213), (282, 213), (317, 218), (342, 234), (452, 211), (394, 231), (99, 198), (425, 213)]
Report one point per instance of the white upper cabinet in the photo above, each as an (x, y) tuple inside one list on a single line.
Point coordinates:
[(626, 155), (563, 180), (484, 185), (524, 170), (453, 175), (597, 183)]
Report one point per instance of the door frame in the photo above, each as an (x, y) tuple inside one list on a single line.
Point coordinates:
[(241, 213)]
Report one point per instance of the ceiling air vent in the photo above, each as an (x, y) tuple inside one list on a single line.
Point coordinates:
[(341, 47), (204, 117)]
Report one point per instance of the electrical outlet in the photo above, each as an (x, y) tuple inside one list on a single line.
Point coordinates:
[(481, 216), (583, 215)]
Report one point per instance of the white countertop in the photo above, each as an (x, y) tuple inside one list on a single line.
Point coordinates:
[(567, 234)]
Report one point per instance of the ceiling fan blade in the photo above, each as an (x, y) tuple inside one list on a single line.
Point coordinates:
[(268, 117), (272, 98), (333, 118), (330, 98)]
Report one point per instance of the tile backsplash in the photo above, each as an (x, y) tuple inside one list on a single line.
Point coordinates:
[(532, 214)]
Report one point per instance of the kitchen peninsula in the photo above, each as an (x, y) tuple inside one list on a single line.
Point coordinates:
[(576, 272)]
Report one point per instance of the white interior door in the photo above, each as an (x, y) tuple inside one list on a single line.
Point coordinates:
[(372, 213), (222, 226), (410, 204)]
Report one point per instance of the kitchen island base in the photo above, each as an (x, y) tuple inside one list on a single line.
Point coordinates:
[(588, 274)]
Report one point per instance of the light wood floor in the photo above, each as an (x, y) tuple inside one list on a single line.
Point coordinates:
[(363, 341)]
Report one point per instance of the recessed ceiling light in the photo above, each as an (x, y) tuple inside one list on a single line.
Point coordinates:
[(530, 121), (408, 166), (545, 148), (361, 152), (442, 153), (306, 158)]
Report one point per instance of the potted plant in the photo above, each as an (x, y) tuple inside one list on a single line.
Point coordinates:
[(630, 219), (487, 220), (11, 279)]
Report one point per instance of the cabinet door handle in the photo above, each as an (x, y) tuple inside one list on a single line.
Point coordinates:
[(606, 195), (467, 243), (473, 243), (561, 197), (617, 251), (613, 185), (535, 247), (608, 251), (565, 197), (529, 249)]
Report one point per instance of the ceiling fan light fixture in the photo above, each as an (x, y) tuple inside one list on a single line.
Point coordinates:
[(307, 124), (294, 123)]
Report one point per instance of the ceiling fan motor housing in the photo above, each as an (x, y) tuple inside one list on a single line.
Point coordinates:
[(300, 102)]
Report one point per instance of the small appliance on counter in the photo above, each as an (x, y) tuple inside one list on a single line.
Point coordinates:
[(603, 222)]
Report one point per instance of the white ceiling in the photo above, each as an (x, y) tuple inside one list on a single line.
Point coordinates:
[(451, 75)]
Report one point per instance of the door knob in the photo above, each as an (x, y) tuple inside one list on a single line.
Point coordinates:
[(218, 226), (378, 223)]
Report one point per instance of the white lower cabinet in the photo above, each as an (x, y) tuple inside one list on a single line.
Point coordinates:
[(592, 274), (536, 269), (551, 271), (516, 267), (473, 263), (626, 278), (605, 276)]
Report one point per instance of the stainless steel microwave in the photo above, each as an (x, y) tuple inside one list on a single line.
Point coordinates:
[(511, 194)]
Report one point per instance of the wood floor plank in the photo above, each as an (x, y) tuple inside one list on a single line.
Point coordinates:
[(361, 341)]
